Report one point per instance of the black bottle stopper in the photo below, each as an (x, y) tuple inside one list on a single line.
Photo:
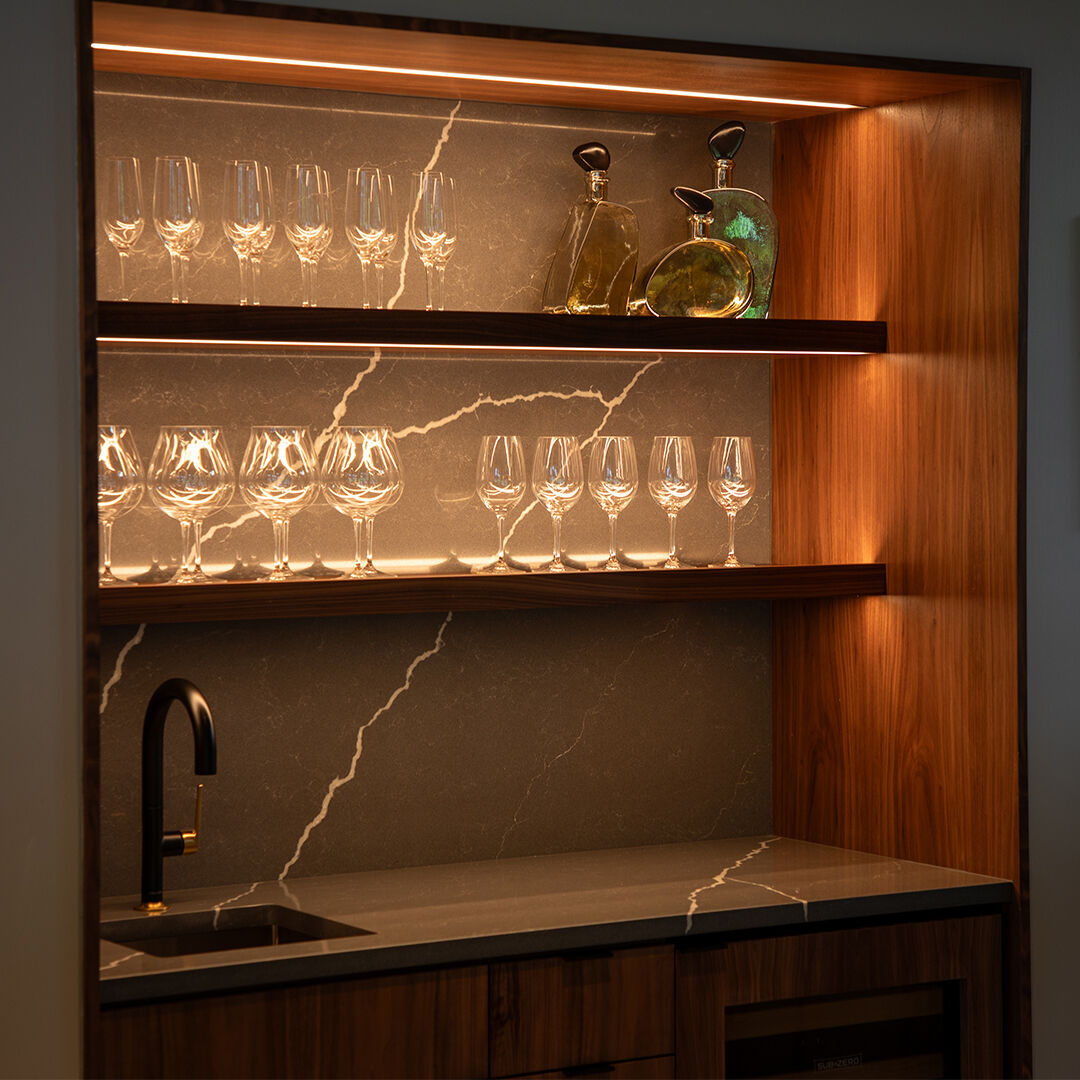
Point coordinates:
[(697, 202), (725, 140), (592, 156)]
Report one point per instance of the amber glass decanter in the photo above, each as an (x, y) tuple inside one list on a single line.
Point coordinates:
[(743, 218), (596, 260), (700, 276)]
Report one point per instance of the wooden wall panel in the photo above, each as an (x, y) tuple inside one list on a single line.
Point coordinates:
[(896, 718)]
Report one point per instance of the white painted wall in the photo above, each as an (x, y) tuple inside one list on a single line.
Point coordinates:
[(38, 789)]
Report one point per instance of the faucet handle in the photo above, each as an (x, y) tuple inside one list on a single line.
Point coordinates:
[(191, 836)]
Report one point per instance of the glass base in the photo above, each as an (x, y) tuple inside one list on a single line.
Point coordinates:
[(370, 571), (499, 566), (107, 579), (193, 577)]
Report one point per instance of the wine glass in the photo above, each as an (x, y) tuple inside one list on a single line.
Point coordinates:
[(262, 240), (176, 216), (367, 217), (279, 477), (243, 215), (384, 248), (307, 221), (732, 479), (500, 483), (361, 478), (122, 213), (190, 477), (673, 481), (558, 479), (120, 487), (613, 481), (433, 229)]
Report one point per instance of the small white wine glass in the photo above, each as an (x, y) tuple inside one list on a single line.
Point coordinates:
[(673, 480), (122, 213), (500, 483), (732, 480), (387, 242), (367, 218), (433, 229), (177, 216), (189, 478), (243, 215), (120, 487), (613, 482), (308, 222), (362, 476), (558, 479), (278, 478), (262, 240)]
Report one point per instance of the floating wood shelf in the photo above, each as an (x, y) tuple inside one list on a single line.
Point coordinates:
[(169, 324), (126, 604)]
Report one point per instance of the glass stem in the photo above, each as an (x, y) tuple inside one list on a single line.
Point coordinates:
[(379, 268), (245, 264), (183, 279), (358, 534), (281, 544), (106, 547), (313, 283), (365, 266), (174, 266), (556, 543), (368, 563), (305, 282), (611, 520), (197, 546), (256, 266), (671, 519), (185, 546), (731, 536), (500, 519), (440, 279), (429, 276), (123, 273)]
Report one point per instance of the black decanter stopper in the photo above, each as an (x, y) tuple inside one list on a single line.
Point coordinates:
[(592, 156), (697, 202), (725, 140)]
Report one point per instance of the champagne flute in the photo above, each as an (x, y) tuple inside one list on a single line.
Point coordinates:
[(433, 229), (366, 219), (558, 480), (308, 222), (243, 214), (673, 480), (190, 477), (120, 487), (361, 478), (388, 240), (262, 240), (279, 477), (500, 483), (122, 213), (732, 479), (176, 216), (613, 482)]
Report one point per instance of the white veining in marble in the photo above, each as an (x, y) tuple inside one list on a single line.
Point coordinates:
[(722, 878), (779, 892), (228, 526), (746, 776), (118, 667), (341, 781)]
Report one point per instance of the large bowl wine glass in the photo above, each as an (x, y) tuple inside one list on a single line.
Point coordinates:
[(673, 480), (243, 215), (558, 479), (308, 222), (368, 217), (361, 476), (177, 216), (279, 477), (433, 229), (122, 212), (500, 483), (189, 478), (120, 487), (613, 482), (732, 479)]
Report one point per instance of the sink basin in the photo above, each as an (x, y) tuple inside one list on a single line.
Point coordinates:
[(231, 928)]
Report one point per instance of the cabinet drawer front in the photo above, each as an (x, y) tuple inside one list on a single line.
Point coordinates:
[(566, 1011), (657, 1068)]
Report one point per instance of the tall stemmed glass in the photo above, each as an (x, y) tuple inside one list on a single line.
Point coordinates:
[(732, 479), (388, 240), (120, 487), (308, 222), (243, 215), (613, 482), (500, 483), (190, 477), (367, 217), (279, 477), (262, 240), (433, 229), (558, 479), (673, 480), (122, 214), (361, 476), (176, 216)]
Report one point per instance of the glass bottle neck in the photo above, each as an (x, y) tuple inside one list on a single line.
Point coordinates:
[(699, 225), (725, 168), (596, 184)]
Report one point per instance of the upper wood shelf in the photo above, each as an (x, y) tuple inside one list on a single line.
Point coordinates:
[(393, 55), (126, 604), (168, 324)]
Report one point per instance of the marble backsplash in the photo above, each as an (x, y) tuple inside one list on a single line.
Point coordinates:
[(367, 742)]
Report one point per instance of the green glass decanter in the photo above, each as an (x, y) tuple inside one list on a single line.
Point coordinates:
[(701, 276), (596, 260), (743, 218)]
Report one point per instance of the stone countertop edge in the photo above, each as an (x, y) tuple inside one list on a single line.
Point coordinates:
[(478, 912)]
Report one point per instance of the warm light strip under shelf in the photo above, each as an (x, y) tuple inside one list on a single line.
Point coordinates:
[(522, 80)]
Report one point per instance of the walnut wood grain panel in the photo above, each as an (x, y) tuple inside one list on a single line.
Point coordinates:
[(560, 1012), (426, 1024), (654, 1068), (551, 57), (896, 719), (966, 951), (126, 604)]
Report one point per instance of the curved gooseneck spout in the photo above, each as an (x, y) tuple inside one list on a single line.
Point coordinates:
[(156, 842)]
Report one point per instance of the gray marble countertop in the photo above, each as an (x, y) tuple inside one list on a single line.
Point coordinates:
[(462, 912)]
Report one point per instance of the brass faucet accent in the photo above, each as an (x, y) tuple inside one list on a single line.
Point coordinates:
[(156, 842)]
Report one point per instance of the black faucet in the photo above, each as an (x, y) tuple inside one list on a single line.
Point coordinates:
[(156, 842)]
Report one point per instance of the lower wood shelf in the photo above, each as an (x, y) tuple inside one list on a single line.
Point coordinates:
[(126, 604)]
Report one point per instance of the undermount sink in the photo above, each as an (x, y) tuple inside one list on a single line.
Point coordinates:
[(230, 928)]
